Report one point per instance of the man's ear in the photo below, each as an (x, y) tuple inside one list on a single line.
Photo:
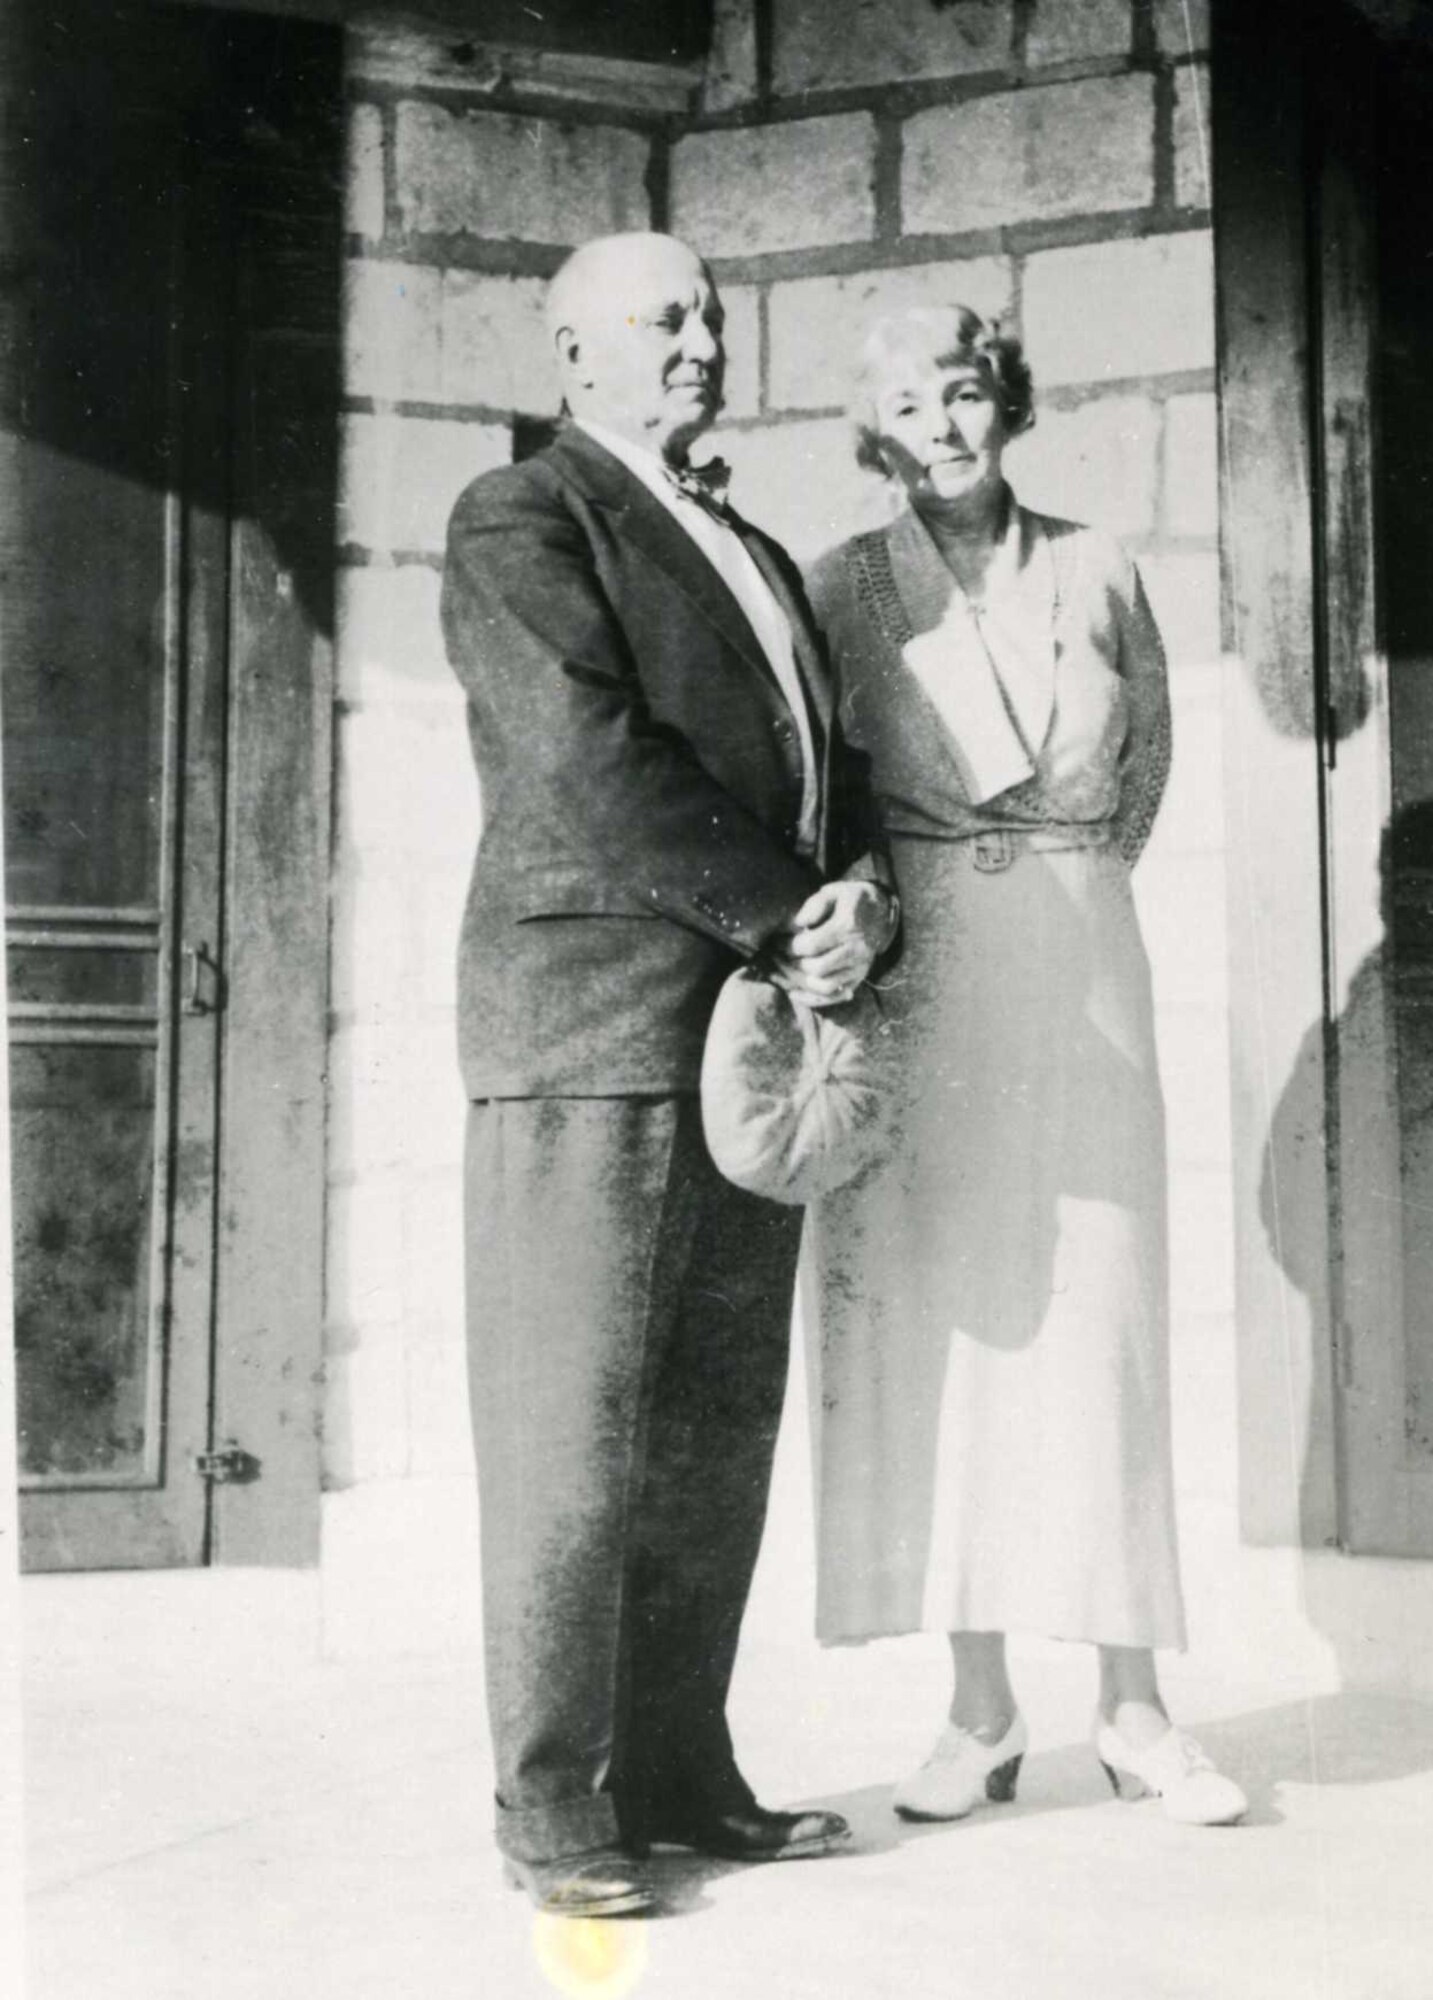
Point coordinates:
[(570, 358)]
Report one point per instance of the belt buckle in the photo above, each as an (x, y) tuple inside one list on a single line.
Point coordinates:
[(994, 851)]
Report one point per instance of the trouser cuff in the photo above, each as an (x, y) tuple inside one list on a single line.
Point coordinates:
[(556, 1828)]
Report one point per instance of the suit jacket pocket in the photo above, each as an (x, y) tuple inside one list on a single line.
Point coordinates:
[(560, 893)]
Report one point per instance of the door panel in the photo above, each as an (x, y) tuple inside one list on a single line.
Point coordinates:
[(170, 249), (111, 634), (1375, 316), (82, 1130), (1403, 512)]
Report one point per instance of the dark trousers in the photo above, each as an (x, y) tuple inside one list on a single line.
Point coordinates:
[(628, 1335)]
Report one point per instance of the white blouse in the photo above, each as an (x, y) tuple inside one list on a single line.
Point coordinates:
[(1045, 706)]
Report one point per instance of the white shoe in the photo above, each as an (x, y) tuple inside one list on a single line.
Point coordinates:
[(960, 1772), (1177, 1770)]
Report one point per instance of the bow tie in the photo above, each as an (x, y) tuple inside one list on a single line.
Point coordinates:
[(706, 484)]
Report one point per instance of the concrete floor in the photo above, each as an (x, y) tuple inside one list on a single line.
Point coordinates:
[(228, 1830)]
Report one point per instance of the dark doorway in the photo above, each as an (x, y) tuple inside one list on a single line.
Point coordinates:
[(167, 425)]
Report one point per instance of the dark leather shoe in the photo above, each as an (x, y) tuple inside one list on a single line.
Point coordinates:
[(603, 1883), (751, 1833)]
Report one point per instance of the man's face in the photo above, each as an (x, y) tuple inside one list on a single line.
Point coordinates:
[(645, 356)]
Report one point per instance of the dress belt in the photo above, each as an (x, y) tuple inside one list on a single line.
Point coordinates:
[(996, 848)]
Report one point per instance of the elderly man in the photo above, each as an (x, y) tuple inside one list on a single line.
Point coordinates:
[(664, 796)]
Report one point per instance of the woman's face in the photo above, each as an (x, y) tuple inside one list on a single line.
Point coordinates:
[(942, 431)]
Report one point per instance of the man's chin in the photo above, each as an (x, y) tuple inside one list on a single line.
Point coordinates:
[(686, 424)]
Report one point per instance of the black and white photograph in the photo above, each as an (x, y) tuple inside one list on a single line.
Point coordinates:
[(718, 1105)]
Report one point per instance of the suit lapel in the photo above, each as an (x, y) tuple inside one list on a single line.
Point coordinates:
[(809, 664), (647, 523), (810, 671)]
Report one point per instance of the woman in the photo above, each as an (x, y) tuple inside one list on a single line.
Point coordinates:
[(991, 1336)]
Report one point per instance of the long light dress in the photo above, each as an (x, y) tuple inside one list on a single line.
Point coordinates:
[(986, 1309)]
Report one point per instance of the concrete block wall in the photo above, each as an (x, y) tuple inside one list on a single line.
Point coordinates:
[(1043, 159), (456, 214)]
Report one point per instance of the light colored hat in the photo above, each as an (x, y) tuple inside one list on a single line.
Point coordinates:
[(796, 1100)]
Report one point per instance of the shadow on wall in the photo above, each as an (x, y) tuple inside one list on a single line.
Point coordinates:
[(167, 178), (1378, 1057)]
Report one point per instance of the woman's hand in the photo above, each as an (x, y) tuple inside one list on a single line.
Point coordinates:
[(834, 938)]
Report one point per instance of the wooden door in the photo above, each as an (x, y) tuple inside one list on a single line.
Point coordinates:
[(113, 640), (1324, 257), (1374, 398), (170, 254)]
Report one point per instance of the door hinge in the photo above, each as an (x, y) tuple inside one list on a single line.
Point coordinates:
[(231, 1465), (203, 991)]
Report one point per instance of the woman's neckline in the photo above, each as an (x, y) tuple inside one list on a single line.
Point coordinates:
[(981, 541), (953, 525)]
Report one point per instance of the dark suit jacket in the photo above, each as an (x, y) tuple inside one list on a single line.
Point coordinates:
[(640, 778)]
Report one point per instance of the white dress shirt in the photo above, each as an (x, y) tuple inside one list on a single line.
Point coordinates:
[(734, 564)]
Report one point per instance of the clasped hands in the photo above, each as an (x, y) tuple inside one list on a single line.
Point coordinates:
[(832, 941)]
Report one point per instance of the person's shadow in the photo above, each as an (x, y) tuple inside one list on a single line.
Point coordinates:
[(1348, 1738), (1351, 1737), (1385, 1150), (1064, 1779)]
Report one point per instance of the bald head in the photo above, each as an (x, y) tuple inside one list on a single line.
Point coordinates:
[(613, 263), (637, 329)]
